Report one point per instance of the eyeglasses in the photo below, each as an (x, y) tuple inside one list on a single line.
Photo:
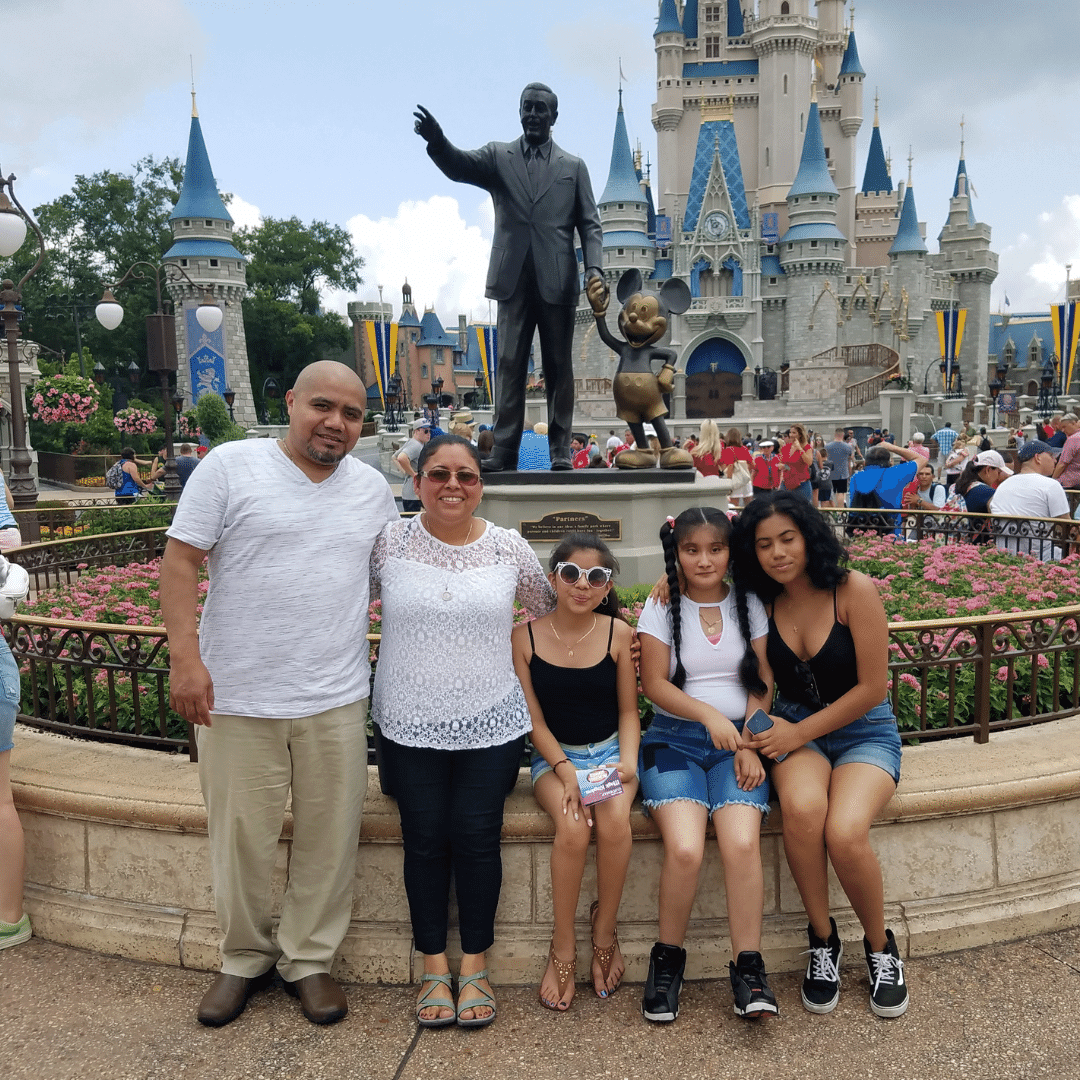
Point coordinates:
[(465, 477), (596, 576)]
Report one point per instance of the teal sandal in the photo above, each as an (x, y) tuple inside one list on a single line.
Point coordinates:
[(478, 1003), (433, 999)]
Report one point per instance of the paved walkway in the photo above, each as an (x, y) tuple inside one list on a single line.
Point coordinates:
[(1011, 1012)]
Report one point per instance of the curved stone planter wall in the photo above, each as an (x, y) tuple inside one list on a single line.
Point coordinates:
[(980, 844)]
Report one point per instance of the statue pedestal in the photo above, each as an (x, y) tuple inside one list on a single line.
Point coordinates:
[(626, 507)]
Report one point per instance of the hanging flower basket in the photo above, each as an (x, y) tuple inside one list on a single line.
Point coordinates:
[(135, 421), (60, 399)]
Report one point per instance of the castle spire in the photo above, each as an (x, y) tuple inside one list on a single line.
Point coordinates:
[(668, 22), (908, 237), (876, 177), (622, 184), (813, 176), (199, 197), (851, 65)]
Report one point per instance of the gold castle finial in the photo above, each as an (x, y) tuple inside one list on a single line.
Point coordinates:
[(876, 99), (194, 107)]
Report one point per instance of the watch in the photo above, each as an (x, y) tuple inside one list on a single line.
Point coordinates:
[(717, 225)]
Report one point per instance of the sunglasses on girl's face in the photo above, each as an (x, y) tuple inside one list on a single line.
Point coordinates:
[(439, 475), (596, 576)]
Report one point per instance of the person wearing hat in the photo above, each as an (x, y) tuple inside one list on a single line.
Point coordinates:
[(406, 458), (1030, 492), (765, 470), (1067, 471)]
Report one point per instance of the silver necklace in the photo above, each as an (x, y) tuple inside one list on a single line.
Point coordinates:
[(447, 594), (568, 648)]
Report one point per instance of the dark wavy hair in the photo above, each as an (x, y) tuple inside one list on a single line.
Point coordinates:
[(673, 533), (584, 541), (433, 446)]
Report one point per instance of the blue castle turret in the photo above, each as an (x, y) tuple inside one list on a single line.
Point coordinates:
[(624, 210), (203, 248)]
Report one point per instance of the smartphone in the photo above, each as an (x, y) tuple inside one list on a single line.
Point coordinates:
[(759, 722)]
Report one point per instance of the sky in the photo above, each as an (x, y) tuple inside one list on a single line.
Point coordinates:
[(307, 111)]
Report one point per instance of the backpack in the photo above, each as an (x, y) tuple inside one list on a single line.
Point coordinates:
[(878, 523), (955, 504), (114, 478)]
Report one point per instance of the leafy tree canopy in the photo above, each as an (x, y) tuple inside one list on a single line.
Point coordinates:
[(290, 261)]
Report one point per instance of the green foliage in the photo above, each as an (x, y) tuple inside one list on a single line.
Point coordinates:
[(147, 513), (290, 261), (212, 415), (93, 234)]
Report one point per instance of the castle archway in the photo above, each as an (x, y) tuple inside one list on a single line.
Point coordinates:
[(714, 379)]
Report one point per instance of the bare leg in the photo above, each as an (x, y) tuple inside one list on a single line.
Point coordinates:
[(614, 842), (738, 833), (12, 849), (568, 854), (802, 782), (682, 825), (859, 792)]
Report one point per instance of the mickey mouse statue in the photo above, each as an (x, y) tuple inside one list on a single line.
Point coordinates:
[(637, 390)]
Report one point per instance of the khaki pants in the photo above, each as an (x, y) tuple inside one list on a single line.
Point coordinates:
[(247, 766)]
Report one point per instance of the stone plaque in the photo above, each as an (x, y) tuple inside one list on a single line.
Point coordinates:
[(551, 528)]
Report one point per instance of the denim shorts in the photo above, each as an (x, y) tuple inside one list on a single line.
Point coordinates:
[(871, 738), (9, 697), (589, 756), (678, 762)]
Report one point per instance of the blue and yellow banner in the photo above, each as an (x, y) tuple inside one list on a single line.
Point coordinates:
[(1063, 316), (950, 328), (487, 338), (382, 346)]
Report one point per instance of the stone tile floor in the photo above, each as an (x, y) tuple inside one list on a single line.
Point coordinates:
[(1006, 1011)]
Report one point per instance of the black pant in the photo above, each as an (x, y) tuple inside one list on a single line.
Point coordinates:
[(519, 317), (451, 806)]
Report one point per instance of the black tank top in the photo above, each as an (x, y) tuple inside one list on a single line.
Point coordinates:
[(580, 705), (825, 677)]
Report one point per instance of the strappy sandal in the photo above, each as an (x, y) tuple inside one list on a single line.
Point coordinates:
[(433, 999), (604, 956), (565, 970), (485, 1000)]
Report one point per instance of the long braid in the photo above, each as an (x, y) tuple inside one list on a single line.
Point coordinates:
[(671, 562), (749, 668)]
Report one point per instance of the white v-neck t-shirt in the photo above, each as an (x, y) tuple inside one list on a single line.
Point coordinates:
[(712, 671)]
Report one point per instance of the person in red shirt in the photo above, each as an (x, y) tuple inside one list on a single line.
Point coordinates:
[(708, 450), (795, 457), (579, 453), (765, 471), (735, 451)]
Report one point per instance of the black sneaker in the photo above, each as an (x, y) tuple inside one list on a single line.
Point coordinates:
[(749, 984), (821, 985), (888, 991), (666, 966)]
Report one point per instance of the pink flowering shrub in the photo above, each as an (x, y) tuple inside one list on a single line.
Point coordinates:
[(187, 426), (59, 399), (134, 421)]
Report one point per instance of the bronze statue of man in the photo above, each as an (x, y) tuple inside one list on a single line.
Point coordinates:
[(542, 195)]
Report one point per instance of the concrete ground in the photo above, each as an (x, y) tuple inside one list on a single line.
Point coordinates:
[(1006, 1011)]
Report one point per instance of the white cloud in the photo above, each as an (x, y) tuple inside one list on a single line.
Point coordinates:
[(81, 70), (1032, 266), (245, 215), (429, 243)]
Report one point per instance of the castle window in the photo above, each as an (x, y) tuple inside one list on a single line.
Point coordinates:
[(712, 13), (438, 354), (785, 8), (183, 262), (712, 46), (213, 262), (1009, 352), (423, 371), (766, 157), (209, 223), (813, 198), (801, 121), (813, 243), (785, 84), (620, 251), (239, 265), (772, 281), (828, 156), (1035, 353), (620, 206), (769, 249), (187, 224)]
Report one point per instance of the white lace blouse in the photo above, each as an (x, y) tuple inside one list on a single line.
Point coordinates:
[(445, 678)]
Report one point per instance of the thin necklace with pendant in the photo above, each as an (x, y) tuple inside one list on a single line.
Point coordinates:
[(710, 627), (447, 594), (568, 648)]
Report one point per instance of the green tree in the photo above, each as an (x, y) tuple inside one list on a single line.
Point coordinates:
[(107, 222), (212, 415), (289, 263)]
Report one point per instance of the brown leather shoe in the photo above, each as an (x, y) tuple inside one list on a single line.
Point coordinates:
[(227, 996), (322, 1000)]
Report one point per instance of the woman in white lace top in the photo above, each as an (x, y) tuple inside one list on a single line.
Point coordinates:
[(451, 712)]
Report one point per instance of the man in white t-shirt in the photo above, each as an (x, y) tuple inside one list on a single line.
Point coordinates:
[(275, 677), (1030, 492), (407, 457)]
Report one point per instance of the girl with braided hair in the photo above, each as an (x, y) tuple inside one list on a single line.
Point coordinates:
[(697, 655)]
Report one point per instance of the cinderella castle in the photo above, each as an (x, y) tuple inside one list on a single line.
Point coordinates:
[(806, 282)]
